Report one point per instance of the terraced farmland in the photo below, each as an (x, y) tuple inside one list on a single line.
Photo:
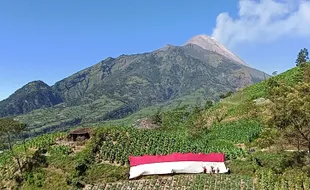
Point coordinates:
[(264, 181), (194, 182)]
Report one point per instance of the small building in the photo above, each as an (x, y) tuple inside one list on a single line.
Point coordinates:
[(80, 134)]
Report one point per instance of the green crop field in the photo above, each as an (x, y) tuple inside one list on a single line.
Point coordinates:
[(117, 144)]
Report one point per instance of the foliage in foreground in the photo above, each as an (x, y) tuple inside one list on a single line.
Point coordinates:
[(291, 113), (286, 116)]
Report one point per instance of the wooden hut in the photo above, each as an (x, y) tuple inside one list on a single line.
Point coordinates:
[(82, 134)]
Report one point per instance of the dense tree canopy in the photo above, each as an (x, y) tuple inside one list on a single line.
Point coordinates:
[(291, 113), (9, 125), (10, 128)]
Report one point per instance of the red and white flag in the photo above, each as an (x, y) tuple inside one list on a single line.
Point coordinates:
[(177, 163)]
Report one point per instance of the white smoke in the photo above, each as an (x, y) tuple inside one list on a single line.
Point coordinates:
[(263, 21)]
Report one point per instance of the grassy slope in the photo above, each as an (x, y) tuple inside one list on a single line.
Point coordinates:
[(237, 103)]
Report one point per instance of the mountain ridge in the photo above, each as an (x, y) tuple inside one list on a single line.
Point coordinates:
[(33, 95), (117, 87)]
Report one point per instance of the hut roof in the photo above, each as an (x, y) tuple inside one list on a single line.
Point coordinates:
[(80, 131)]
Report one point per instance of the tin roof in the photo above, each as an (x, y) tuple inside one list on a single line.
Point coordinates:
[(80, 131)]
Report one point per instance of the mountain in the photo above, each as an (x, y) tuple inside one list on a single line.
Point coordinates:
[(33, 95), (117, 87), (157, 76)]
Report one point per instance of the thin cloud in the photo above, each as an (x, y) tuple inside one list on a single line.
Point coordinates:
[(263, 21)]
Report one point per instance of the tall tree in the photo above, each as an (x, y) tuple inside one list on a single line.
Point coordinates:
[(303, 57), (306, 54), (10, 128), (291, 113)]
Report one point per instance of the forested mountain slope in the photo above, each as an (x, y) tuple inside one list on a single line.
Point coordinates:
[(117, 87)]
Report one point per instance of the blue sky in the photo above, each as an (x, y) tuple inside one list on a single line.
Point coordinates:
[(50, 40)]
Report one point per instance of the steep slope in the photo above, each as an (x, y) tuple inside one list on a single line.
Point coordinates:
[(33, 95), (211, 44)]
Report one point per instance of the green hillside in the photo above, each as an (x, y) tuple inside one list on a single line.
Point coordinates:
[(239, 103), (235, 126)]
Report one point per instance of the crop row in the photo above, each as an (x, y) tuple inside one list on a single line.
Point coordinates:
[(118, 145), (208, 182), (194, 182)]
